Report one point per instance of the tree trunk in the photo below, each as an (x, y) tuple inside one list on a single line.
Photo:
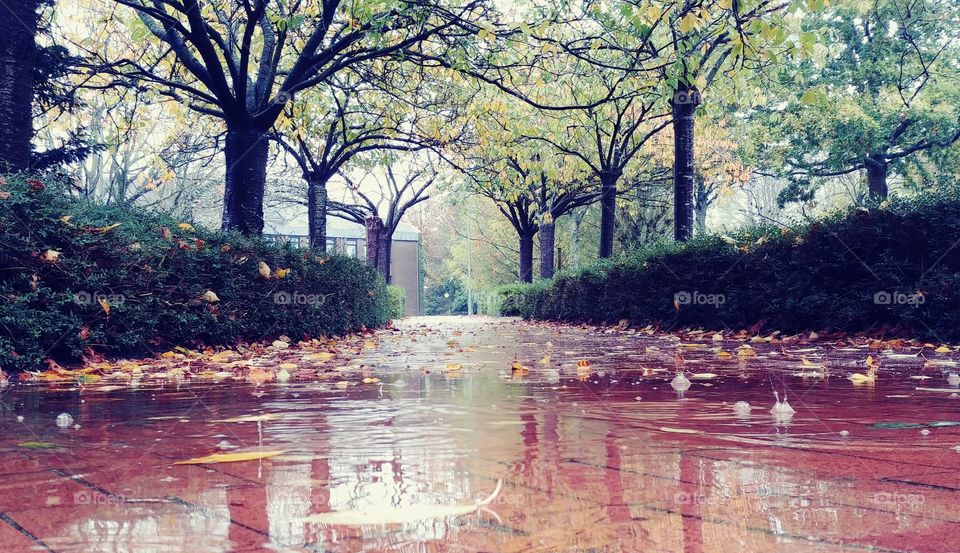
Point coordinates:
[(317, 212), (877, 177), (702, 197), (246, 153), (385, 253), (608, 212), (18, 29), (684, 106), (374, 228), (547, 246), (526, 257)]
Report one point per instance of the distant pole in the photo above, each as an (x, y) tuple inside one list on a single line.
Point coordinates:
[(469, 264)]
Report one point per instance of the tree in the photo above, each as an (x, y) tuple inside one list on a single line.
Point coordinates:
[(241, 62), (381, 214), (686, 46), (18, 50), (360, 118), (885, 96)]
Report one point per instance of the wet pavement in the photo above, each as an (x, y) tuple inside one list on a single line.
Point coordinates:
[(600, 455)]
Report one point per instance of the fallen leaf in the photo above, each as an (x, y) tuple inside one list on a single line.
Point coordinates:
[(399, 515), (264, 269), (252, 418), (51, 255), (107, 228), (211, 297), (680, 430), (39, 445), (231, 457), (943, 349)]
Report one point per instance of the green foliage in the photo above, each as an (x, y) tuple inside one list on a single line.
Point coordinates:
[(448, 297), (513, 300), (61, 256), (398, 301), (886, 92), (890, 270)]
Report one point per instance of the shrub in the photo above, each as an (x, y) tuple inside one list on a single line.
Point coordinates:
[(513, 300), (74, 275), (894, 269), (398, 301)]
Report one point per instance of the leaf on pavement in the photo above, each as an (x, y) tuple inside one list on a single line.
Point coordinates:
[(231, 457)]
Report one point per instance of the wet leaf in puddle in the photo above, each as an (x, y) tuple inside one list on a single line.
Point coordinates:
[(703, 376), (388, 515), (231, 457), (895, 425), (942, 424), (252, 418), (679, 430), (40, 445)]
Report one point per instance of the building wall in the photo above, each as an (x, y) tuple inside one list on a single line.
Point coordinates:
[(405, 272)]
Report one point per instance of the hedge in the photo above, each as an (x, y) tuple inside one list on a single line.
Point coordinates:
[(893, 270), (74, 275)]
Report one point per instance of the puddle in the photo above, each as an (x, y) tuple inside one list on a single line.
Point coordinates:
[(604, 456)]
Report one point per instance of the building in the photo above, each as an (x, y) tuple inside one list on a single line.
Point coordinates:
[(348, 238)]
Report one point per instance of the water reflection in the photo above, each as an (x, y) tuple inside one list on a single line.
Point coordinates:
[(586, 465)]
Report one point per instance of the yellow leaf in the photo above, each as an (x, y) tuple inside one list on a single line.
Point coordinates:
[(724, 354), (253, 418), (107, 228), (231, 457), (288, 366), (679, 430), (943, 349), (51, 255), (453, 367), (370, 380), (211, 297), (186, 226), (105, 305), (258, 375), (264, 269), (282, 272)]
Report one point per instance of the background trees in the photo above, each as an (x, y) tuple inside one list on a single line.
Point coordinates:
[(598, 128), (887, 95), (241, 62)]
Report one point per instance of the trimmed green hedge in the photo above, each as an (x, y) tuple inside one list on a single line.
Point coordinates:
[(398, 301), (60, 257), (894, 270)]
